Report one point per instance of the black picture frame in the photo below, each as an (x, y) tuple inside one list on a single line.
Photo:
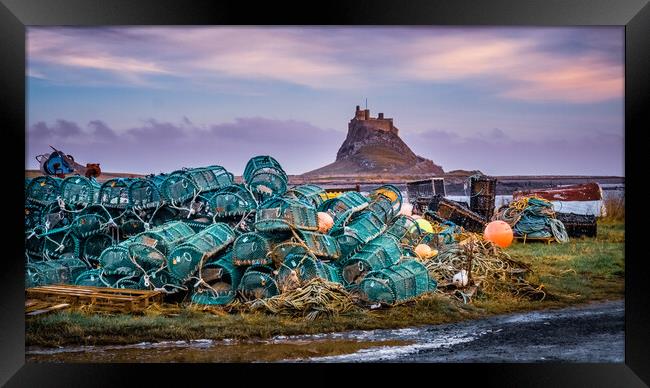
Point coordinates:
[(16, 14)]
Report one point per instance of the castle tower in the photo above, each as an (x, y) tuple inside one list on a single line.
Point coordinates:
[(363, 119)]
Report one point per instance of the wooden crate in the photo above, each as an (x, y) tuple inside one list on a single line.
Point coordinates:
[(100, 298)]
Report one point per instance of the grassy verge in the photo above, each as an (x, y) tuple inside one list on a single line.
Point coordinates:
[(582, 270)]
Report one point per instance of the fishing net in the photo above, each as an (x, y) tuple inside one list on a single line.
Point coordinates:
[(251, 248), (405, 229), (43, 190), (381, 252), (310, 195), (184, 260), (283, 214), (264, 176), (533, 217), (234, 200), (79, 191), (343, 206), (219, 282), (362, 228), (258, 283), (397, 283)]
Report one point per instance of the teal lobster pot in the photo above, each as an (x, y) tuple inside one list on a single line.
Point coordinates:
[(62, 271), (166, 237), (222, 178), (91, 277), (282, 215), (405, 229), (222, 279), (93, 246), (302, 267), (61, 244), (397, 283), (362, 228), (178, 188), (310, 195), (264, 176), (184, 260), (43, 190), (258, 282), (147, 249), (382, 252), (144, 194), (344, 206), (382, 207), (391, 193), (322, 245), (79, 191), (88, 224), (114, 193), (251, 249), (232, 201)]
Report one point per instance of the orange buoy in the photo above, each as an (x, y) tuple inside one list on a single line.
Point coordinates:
[(325, 222), (498, 232)]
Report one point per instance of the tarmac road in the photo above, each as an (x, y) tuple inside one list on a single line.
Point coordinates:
[(589, 333)]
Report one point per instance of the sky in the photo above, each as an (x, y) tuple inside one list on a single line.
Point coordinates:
[(506, 101)]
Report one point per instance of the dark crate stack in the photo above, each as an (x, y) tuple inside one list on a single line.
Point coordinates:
[(483, 195), (578, 225), (460, 215), (421, 193)]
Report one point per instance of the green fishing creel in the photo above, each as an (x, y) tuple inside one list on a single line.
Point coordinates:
[(231, 201), (310, 195), (43, 190), (264, 176), (343, 206), (381, 252), (184, 260), (283, 214), (144, 194), (93, 246), (78, 191), (306, 267), (398, 283), (258, 283), (362, 228), (405, 229), (215, 274), (322, 245), (114, 193), (251, 249)]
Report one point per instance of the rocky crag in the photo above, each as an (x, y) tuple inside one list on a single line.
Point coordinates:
[(373, 146)]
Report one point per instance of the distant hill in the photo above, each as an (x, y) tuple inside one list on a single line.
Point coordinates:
[(373, 146)]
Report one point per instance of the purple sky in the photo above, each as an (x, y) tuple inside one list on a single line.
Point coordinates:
[(153, 99)]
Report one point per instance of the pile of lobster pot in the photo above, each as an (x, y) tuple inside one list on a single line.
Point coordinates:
[(197, 234)]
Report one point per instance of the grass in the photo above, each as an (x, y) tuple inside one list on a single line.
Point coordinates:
[(582, 270)]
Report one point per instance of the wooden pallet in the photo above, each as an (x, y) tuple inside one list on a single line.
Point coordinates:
[(546, 240), (104, 299)]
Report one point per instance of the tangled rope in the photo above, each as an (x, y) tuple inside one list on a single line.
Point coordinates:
[(485, 263), (316, 298)]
